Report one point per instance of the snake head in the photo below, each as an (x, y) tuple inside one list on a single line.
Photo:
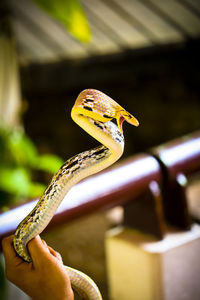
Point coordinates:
[(98, 106), (122, 115)]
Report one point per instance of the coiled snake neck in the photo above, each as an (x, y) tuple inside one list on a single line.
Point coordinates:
[(93, 111)]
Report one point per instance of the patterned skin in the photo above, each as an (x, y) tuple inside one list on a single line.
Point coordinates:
[(93, 111)]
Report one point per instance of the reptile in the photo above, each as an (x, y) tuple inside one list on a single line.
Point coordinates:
[(94, 112)]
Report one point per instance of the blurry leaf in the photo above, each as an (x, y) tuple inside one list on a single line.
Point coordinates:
[(22, 149), (15, 147), (14, 180), (48, 162), (70, 14), (17, 181), (36, 189), (18, 159)]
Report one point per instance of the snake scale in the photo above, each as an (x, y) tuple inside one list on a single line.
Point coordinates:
[(93, 111)]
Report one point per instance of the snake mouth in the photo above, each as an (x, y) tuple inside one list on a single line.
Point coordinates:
[(126, 117), (120, 123)]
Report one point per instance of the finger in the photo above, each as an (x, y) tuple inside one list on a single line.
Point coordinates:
[(45, 245), (8, 249), (37, 250), (7, 246), (55, 254), (52, 251)]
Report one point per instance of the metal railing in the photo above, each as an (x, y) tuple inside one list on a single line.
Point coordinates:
[(158, 172), (179, 161)]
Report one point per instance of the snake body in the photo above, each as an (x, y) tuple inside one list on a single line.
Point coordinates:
[(93, 111)]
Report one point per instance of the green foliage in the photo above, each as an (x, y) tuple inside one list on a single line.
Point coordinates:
[(18, 159), (70, 14)]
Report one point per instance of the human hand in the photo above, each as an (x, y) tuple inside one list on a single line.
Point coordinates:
[(44, 278)]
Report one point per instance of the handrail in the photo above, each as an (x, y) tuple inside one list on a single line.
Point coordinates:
[(118, 185), (181, 155), (178, 160), (107, 189)]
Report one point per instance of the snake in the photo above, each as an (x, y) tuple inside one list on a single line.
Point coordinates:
[(102, 118)]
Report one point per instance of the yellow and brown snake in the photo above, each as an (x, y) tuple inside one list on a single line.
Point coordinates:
[(93, 111)]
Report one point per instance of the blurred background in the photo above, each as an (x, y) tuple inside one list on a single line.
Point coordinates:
[(144, 54)]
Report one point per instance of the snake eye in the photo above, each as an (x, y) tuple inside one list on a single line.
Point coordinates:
[(88, 100), (107, 117), (88, 108)]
